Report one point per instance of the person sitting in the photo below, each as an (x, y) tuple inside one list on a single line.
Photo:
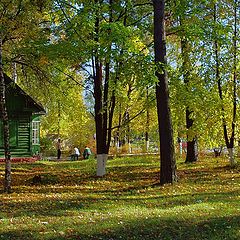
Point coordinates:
[(86, 152), (76, 154)]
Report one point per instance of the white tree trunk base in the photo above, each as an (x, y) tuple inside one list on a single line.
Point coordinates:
[(129, 148), (231, 156), (117, 147), (147, 146), (180, 148), (101, 164)]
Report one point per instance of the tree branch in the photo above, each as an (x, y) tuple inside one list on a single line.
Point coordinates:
[(127, 122)]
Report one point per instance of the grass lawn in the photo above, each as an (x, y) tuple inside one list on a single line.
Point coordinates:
[(70, 202)]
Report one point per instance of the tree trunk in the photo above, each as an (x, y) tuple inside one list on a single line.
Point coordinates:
[(234, 117), (4, 116), (192, 150), (147, 126), (98, 107), (192, 154), (118, 135), (127, 118), (228, 141), (101, 161), (104, 108), (59, 120), (167, 158), (14, 72), (111, 111)]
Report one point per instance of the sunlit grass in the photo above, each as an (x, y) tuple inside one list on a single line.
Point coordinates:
[(70, 202)]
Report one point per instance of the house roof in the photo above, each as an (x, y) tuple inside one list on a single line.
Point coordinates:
[(37, 108)]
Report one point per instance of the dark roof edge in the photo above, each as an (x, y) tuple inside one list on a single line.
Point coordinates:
[(8, 80)]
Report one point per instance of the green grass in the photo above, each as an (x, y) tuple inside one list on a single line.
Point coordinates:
[(70, 202)]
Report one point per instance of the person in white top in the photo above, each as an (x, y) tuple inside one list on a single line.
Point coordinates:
[(76, 154)]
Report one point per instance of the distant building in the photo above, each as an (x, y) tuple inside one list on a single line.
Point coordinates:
[(24, 122)]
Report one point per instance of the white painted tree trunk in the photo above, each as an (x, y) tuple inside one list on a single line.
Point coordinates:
[(117, 146), (14, 72), (238, 149), (129, 148), (180, 148), (101, 164), (231, 156), (147, 146)]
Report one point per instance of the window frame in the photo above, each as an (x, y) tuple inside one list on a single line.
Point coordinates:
[(35, 132)]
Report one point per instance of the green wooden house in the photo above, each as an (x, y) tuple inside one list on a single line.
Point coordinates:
[(24, 122)]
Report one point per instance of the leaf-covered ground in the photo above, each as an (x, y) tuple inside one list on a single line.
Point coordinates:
[(65, 200)]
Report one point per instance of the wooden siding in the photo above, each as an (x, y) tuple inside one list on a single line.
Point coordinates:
[(22, 109), (23, 136)]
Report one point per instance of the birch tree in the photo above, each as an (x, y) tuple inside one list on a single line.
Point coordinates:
[(20, 20), (4, 118), (229, 133)]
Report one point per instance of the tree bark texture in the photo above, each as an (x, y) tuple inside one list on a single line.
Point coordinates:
[(4, 116), (192, 150), (167, 158), (104, 107), (147, 125), (228, 141), (98, 95)]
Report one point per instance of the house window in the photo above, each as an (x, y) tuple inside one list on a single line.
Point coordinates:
[(35, 132)]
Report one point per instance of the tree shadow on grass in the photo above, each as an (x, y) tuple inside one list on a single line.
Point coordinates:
[(172, 229), (128, 176), (162, 228), (126, 184), (58, 206)]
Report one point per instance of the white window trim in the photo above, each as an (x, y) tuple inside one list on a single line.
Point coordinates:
[(35, 132)]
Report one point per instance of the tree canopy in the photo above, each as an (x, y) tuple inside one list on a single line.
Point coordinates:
[(94, 62)]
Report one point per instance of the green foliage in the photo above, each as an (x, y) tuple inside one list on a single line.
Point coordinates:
[(66, 112), (53, 44), (193, 22)]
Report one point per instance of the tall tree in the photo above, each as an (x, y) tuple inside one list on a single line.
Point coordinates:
[(229, 141), (147, 123), (111, 39), (20, 21), (4, 118), (167, 158), (191, 155)]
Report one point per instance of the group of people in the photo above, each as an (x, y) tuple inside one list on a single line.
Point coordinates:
[(76, 152)]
